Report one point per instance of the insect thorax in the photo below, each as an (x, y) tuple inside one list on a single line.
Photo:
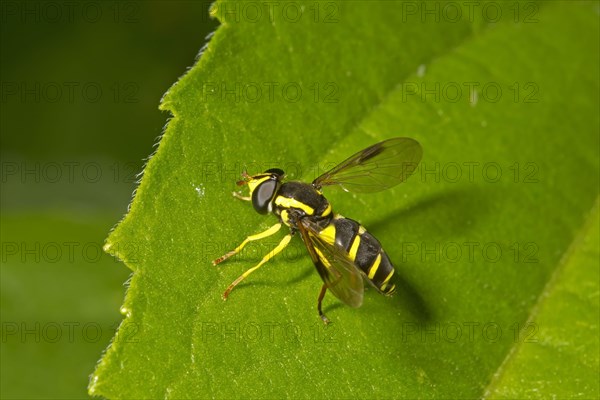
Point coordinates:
[(296, 200)]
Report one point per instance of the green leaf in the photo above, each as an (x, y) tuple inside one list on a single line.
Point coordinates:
[(507, 181), (568, 313)]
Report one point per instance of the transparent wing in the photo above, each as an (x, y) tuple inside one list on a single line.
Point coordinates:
[(336, 269), (375, 168)]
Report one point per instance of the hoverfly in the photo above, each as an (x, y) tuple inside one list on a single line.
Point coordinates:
[(342, 250)]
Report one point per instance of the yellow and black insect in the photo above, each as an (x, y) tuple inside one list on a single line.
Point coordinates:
[(342, 250)]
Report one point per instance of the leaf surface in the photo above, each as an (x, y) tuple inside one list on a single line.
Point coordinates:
[(508, 178)]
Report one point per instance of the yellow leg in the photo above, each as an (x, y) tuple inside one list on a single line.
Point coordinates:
[(284, 242), (271, 231), (239, 196)]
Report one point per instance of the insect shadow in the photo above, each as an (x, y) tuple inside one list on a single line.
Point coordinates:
[(451, 209)]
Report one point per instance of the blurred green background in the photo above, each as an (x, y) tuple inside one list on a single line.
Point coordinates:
[(80, 88)]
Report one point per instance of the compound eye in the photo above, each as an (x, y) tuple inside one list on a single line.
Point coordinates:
[(262, 195), (275, 171)]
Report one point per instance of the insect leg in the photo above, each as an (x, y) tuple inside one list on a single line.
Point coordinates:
[(271, 231), (284, 242), (321, 296), (239, 196)]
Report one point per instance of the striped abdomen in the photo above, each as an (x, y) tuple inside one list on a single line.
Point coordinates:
[(364, 249)]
